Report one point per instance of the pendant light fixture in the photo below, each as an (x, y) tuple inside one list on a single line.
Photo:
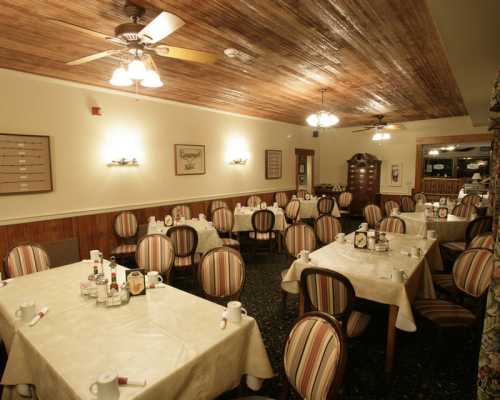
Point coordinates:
[(140, 69), (322, 118)]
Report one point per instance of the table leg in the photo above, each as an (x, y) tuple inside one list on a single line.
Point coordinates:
[(391, 339)]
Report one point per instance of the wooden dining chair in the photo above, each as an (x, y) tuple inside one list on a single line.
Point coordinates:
[(281, 198), (325, 205), (215, 204), (484, 240), (327, 227), (464, 210), (156, 253), (221, 274), (372, 214), (420, 197), (263, 226), (125, 227), (345, 200), (407, 204), (389, 206), (474, 228), (254, 201), (292, 211), (472, 200), (392, 225), (301, 193), (25, 259), (185, 240), (223, 220), (182, 210)]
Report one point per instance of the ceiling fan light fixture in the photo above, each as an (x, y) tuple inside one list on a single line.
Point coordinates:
[(120, 77), (137, 70), (152, 80), (381, 136)]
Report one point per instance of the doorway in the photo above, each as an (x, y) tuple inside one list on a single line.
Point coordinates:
[(304, 173)]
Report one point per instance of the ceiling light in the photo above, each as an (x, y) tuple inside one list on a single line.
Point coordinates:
[(120, 78), (450, 148), (381, 136), (433, 152), (322, 118), (152, 80), (137, 70)]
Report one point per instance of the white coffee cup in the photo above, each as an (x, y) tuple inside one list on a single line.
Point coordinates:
[(363, 226), (275, 204), (201, 217), (340, 237), (26, 311), (154, 278), (96, 255), (151, 219), (398, 276), (431, 234), (238, 205), (234, 311), (106, 387)]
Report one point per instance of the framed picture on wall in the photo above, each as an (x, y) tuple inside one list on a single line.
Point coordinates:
[(273, 164), (189, 159), (396, 177)]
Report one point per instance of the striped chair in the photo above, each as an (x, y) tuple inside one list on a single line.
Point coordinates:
[(483, 241), (254, 201), (420, 197), (125, 227), (185, 240), (182, 210), (292, 211), (372, 214), (464, 210), (301, 193), (325, 205), (223, 220), (263, 225), (330, 292), (469, 265), (389, 206), (345, 200), (155, 253), (326, 228), (392, 225), (474, 228), (215, 204), (281, 198), (472, 200), (314, 359), (26, 259), (407, 204), (221, 274)]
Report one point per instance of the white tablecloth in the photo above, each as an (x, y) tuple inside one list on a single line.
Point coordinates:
[(309, 209), (243, 219), (208, 238), (170, 337), (370, 272), (450, 229)]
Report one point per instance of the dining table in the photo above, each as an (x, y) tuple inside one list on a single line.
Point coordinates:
[(243, 218), (168, 337), (309, 208), (451, 228), (208, 237), (371, 274)]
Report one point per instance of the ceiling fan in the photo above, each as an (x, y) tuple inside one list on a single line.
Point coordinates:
[(140, 41), (380, 124)]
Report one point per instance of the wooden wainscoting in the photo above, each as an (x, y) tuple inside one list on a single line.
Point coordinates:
[(96, 231)]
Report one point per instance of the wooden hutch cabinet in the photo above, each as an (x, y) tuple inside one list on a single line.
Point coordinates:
[(363, 181)]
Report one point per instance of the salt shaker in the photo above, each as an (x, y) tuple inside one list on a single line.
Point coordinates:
[(124, 293), (102, 289)]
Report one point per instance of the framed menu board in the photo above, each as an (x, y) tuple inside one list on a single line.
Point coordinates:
[(273, 164), (25, 164)]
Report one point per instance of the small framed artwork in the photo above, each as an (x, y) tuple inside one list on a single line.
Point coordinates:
[(443, 212), (136, 281), (273, 164), (396, 174), (189, 159), (360, 240)]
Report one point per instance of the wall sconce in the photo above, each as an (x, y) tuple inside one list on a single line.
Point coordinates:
[(237, 151), (239, 161), (123, 162)]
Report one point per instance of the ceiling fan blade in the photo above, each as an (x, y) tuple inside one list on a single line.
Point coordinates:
[(366, 128), (93, 57), (80, 29), (159, 28), (185, 54)]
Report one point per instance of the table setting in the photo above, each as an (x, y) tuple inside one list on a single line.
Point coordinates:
[(309, 207), (243, 217)]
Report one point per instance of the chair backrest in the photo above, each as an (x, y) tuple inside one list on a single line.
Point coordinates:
[(420, 196), (281, 198), (464, 210), (325, 205), (372, 214), (263, 221), (185, 239), (473, 271), (472, 200), (221, 273), (389, 206), (326, 228), (345, 199), (182, 210), (298, 237), (26, 259), (253, 201), (223, 220), (301, 193), (314, 358), (327, 291), (125, 225), (476, 227), (292, 210), (155, 253), (392, 225), (407, 204), (215, 204), (483, 241)]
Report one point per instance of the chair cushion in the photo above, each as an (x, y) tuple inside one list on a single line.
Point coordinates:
[(444, 313), (357, 323), (289, 287), (124, 249), (186, 261), (262, 236), (454, 246), (445, 281), (230, 242)]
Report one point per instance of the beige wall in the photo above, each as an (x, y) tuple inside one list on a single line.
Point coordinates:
[(145, 128), (338, 145)]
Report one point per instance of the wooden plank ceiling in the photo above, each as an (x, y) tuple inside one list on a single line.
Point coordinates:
[(375, 56)]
